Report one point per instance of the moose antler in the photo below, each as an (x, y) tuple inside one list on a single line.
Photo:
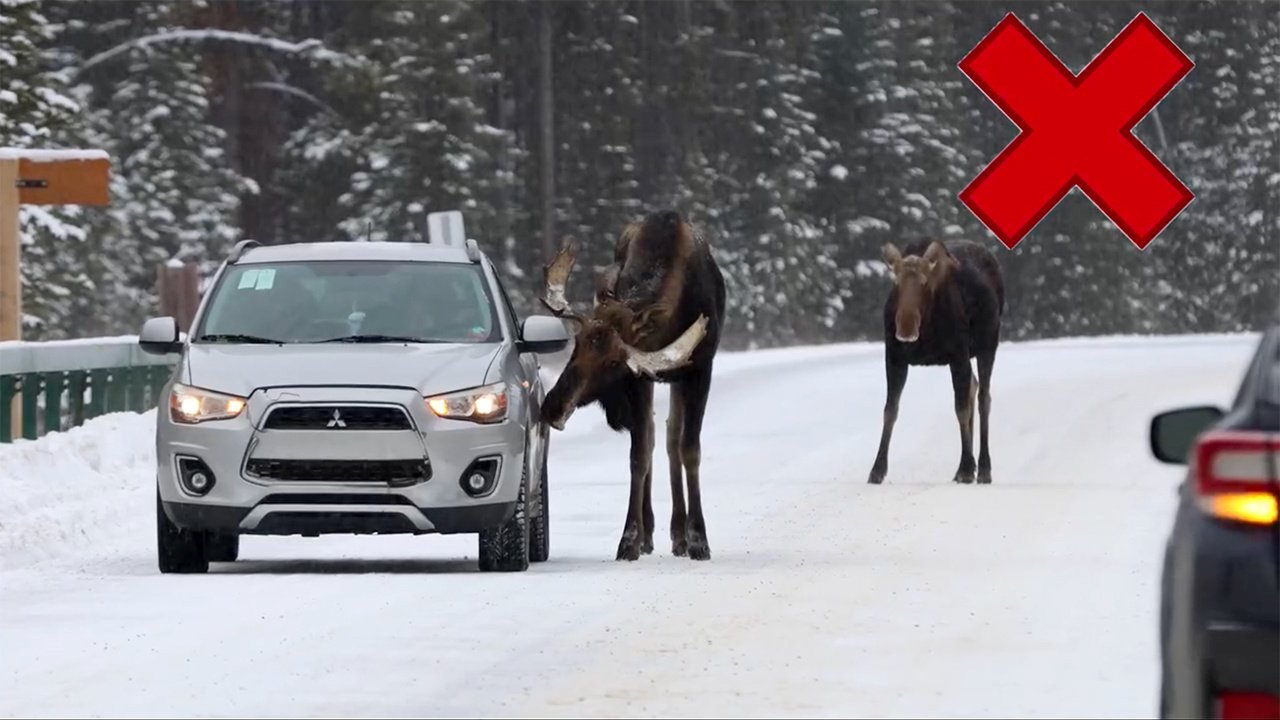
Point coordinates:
[(670, 357), (555, 274)]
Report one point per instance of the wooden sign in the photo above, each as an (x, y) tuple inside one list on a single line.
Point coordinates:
[(61, 177)]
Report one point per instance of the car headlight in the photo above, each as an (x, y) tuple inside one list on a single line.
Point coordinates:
[(486, 404), (189, 405)]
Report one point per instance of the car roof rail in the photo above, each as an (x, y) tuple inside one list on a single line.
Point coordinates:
[(240, 249), (473, 250)]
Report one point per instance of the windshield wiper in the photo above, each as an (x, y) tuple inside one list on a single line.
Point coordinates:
[(377, 339), (236, 338)]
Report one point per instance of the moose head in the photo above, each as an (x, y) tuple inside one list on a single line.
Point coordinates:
[(917, 278), (605, 342)]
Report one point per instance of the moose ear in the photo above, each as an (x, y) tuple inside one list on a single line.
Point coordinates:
[(892, 255), (939, 259)]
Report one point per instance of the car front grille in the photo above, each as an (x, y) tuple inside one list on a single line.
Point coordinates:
[(391, 472), (337, 418)]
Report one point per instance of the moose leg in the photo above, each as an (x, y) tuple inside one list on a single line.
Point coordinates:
[(973, 398), (675, 425), (962, 383), (695, 394), (985, 363), (646, 547), (896, 377), (641, 459)]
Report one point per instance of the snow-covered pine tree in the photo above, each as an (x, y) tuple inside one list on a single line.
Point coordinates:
[(1218, 266), (765, 151), (181, 194), (601, 100), (889, 102), (422, 141)]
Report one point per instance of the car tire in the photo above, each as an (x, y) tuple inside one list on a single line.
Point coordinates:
[(222, 547), (178, 550), (540, 525), (506, 548)]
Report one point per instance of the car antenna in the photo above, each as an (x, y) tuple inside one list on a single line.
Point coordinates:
[(368, 233)]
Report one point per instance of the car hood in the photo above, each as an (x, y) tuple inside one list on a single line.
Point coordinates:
[(431, 368)]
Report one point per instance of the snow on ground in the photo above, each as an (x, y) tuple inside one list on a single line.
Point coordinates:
[(73, 492), (1033, 597)]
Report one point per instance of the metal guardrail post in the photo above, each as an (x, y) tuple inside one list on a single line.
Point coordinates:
[(75, 391), (53, 384), (30, 404), (8, 387), (98, 392)]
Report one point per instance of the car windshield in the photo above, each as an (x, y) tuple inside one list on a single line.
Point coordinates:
[(350, 301)]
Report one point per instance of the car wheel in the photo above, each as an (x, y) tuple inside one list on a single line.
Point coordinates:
[(178, 550), (222, 547), (506, 547), (540, 525)]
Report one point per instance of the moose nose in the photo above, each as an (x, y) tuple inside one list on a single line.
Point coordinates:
[(907, 338)]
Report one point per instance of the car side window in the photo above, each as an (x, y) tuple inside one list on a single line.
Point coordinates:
[(1255, 384), (506, 302)]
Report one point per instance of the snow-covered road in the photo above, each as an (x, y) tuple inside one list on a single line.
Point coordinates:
[(825, 596)]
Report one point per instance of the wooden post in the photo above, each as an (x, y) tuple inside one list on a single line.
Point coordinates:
[(38, 177), (10, 277), (178, 292), (10, 251), (190, 299)]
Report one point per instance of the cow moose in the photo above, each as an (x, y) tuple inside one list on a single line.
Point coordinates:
[(945, 307), (657, 317)]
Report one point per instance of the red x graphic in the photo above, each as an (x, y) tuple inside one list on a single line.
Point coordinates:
[(1076, 130)]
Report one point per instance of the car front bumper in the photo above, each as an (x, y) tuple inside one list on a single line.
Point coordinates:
[(318, 490)]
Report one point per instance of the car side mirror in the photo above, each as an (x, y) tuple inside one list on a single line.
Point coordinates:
[(159, 336), (1174, 432), (542, 334)]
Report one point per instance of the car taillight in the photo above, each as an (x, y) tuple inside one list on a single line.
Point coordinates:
[(1234, 471), (1248, 706)]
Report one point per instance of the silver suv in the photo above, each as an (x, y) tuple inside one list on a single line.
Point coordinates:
[(353, 387)]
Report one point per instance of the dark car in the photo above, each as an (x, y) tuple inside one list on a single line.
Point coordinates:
[(1220, 589)]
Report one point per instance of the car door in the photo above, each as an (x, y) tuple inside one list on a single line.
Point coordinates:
[(530, 379)]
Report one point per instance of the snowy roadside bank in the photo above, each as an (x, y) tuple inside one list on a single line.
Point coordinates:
[(73, 490)]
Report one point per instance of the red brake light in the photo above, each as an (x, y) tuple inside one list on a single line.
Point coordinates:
[(1234, 472), (1248, 706)]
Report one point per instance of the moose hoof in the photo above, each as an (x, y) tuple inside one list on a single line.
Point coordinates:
[(698, 547), (680, 548), (963, 477), (629, 548), (646, 548), (984, 477), (876, 477)]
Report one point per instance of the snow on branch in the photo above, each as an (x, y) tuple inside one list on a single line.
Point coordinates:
[(287, 89), (312, 47)]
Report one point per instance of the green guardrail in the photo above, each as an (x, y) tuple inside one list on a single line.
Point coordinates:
[(58, 385)]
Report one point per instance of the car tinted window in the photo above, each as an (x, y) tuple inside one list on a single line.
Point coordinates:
[(315, 301), (506, 302), (1271, 376)]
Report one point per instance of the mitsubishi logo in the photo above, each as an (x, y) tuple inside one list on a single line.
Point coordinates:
[(336, 421)]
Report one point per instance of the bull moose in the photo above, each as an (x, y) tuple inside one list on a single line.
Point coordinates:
[(657, 317), (945, 308)]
